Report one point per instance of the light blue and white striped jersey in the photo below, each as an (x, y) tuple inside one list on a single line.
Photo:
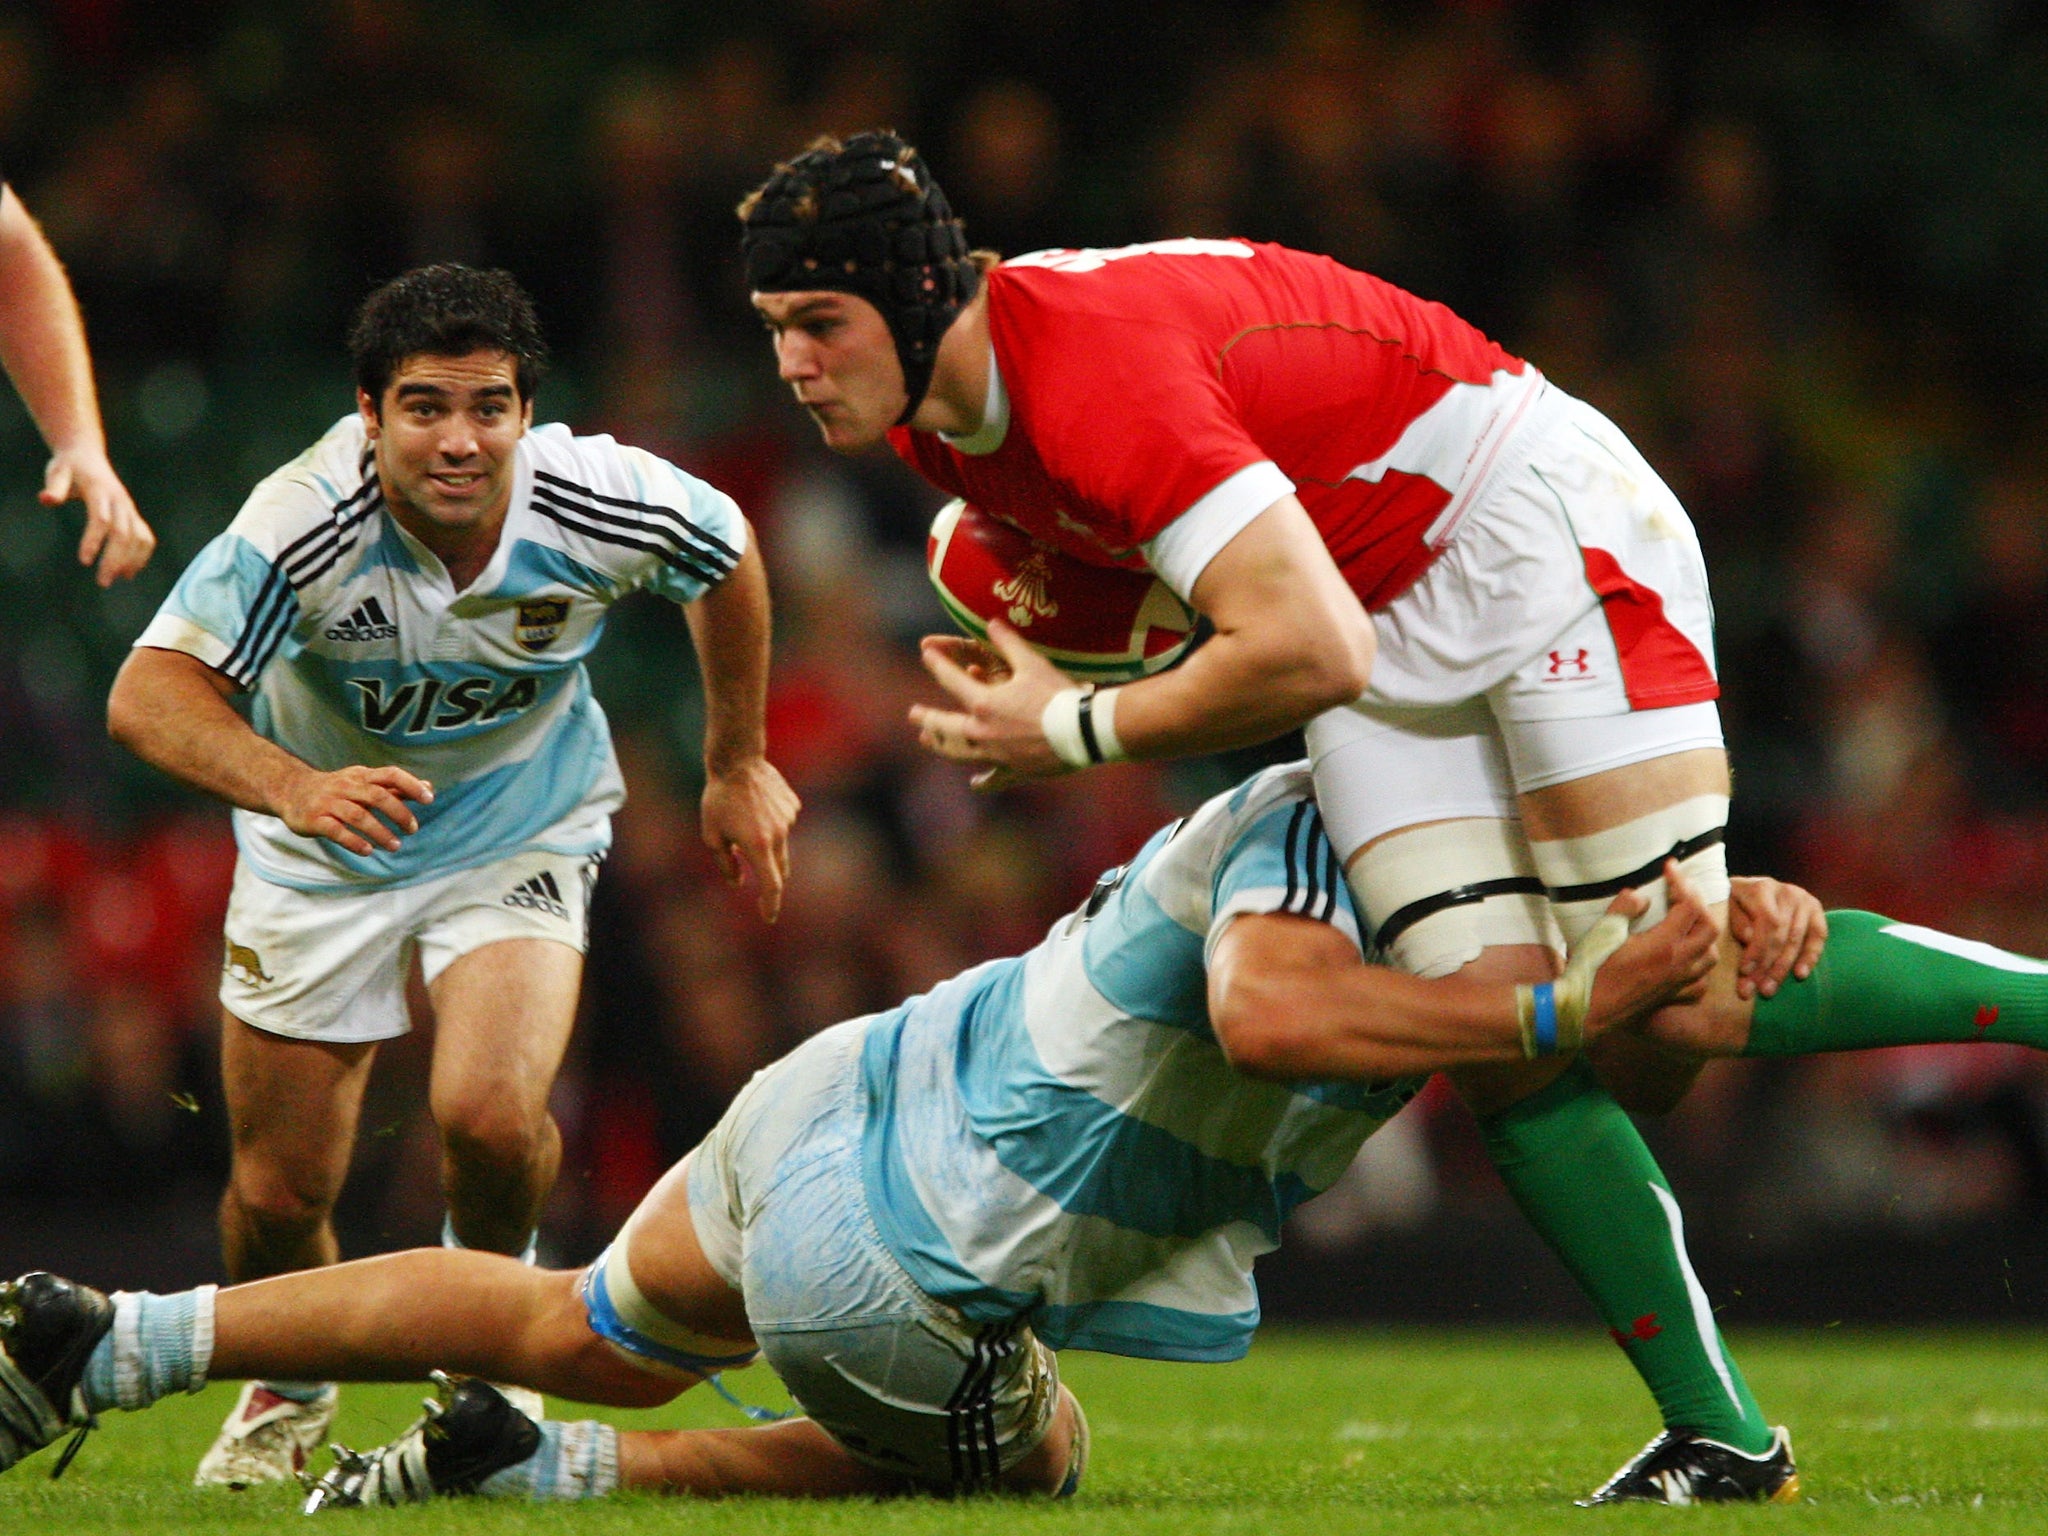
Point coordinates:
[(1059, 1136), (360, 651)]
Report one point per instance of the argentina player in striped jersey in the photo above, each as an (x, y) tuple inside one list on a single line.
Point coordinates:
[(424, 771), (1083, 1147)]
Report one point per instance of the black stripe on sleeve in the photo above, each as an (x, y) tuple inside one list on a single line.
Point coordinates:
[(274, 585), (313, 564), (317, 562), (1336, 880), (692, 529), (288, 573), (688, 540), (1323, 858), (1293, 870), (573, 518), (1315, 884)]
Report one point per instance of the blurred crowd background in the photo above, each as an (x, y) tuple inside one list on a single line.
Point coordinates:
[(1796, 250)]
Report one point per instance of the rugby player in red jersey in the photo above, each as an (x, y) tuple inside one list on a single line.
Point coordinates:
[(1488, 612)]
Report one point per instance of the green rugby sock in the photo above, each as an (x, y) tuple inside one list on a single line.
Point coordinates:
[(1880, 982), (1578, 1168)]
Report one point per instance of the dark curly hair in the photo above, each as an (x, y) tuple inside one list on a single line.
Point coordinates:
[(447, 310)]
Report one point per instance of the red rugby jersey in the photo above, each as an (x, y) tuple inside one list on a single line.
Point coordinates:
[(1212, 376)]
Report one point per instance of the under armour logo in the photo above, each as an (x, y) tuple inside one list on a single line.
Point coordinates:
[(1559, 661)]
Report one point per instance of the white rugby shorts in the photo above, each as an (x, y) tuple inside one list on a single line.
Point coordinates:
[(908, 1384), (1573, 587), (1565, 630), (332, 966)]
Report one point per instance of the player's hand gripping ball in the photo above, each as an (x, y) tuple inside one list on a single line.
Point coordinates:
[(1096, 623)]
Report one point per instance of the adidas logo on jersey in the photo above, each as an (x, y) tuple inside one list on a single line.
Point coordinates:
[(368, 622), (539, 894)]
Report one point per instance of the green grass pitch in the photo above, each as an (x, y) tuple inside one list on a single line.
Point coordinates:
[(1317, 1433)]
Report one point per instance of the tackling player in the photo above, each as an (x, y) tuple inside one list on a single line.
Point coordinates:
[(424, 774), (1084, 1147), (1490, 614)]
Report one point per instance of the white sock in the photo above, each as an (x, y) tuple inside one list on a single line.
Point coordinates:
[(158, 1345), (529, 1255), (575, 1461)]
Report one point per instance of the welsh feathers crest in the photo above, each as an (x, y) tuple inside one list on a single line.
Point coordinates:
[(1103, 622), (1028, 592)]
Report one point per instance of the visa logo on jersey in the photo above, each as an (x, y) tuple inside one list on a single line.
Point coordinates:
[(414, 708)]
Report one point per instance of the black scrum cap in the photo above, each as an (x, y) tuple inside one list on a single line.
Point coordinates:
[(864, 217)]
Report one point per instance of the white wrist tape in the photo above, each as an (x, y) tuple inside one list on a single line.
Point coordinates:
[(1080, 726), (1553, 1013)]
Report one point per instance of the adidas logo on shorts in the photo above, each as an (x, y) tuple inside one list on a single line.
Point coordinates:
[(540, 894), (368, 622)]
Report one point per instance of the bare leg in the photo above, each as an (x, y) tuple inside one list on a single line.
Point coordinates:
[(401, 1315), (670, 1267), (398, 1316), (1488, 1089), (1485, 1088), (502, 1019), (1646, 1075), (292, 1110), (799, 1459)]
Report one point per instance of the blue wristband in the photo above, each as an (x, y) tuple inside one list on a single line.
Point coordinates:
[(1544, 1000)]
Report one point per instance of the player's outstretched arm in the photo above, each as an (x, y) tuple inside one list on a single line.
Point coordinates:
[(172, 711), (1290, 642), (42, 346), (1289, 998), (748, 807)]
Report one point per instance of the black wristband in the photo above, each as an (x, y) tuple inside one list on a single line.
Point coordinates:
[(1084, 716)]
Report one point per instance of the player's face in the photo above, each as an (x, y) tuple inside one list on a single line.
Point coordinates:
[(444, 435), (835, 352)]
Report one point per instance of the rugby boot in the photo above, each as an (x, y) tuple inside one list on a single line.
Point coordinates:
[(525, 1399), (266, 1438), (48, 1328), (468, 1432), (1680, 1467)]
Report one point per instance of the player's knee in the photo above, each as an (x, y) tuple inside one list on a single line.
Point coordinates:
[(603, 1372), (483, 1131), (279, 1201), (1489, 1089), (613, 1378), (1645, 1078), (1055, 1466)]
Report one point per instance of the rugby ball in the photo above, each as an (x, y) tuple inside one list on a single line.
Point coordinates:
[(1097, 623)]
